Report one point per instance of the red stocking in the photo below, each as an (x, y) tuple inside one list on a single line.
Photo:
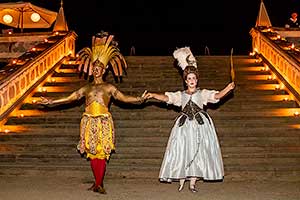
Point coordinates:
[(98, 166), (101, 171), (93, 163)]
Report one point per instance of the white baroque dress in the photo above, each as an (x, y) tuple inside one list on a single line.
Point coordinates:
[(193, 148)]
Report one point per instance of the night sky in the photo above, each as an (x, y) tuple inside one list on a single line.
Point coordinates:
[(157, 27)]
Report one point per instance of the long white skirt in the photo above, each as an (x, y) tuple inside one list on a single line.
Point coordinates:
[(193, 150)]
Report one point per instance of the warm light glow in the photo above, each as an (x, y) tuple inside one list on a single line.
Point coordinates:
[(7, 18), (34, 101), (287, 112), (267, 68), (61, 80), (46, 40), (68, 70), (13, 128), (250, 69), (265, 87), (35, 17), (33, 49), (278, 37), (285, 99), (23, 113), (56, 33), (277, 87), (256, 77), (59, 89), (296, 114), (293, 46), (269, 77), (14, 61), (282, 87)]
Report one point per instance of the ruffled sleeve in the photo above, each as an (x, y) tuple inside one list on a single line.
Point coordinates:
[(174, 98), (208, 96)]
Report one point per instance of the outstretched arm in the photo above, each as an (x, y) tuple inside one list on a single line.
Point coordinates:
[(160, 97), (72, 97), (117, 94), (223, 92)]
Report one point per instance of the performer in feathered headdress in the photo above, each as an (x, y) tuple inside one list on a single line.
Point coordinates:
[(97, 137), (193, 150), (104, 53)]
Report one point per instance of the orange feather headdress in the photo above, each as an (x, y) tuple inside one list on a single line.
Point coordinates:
[(104, 49)]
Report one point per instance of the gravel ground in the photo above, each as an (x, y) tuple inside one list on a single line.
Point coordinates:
[(75, 188)]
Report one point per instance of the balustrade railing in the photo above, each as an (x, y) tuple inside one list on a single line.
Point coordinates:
[(279, 48), (32, 66)]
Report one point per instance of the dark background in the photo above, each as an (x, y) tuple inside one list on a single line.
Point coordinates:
[(157, 27)]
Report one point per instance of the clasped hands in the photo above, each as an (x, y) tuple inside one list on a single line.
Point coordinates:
[(145, 96)]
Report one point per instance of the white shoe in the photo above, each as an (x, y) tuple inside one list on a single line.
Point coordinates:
[(180, 188), (193, 189)]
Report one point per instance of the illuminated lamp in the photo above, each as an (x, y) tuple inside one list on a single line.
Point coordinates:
[(7, 18), (35, 17)]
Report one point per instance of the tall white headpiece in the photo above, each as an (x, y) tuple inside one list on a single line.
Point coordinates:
[(185, 57)]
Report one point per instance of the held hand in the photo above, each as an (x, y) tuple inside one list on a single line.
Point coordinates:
[(142, 98), (149, 95), (144, 94)]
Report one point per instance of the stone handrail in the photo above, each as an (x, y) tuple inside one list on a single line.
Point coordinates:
[(281, 54), (15, 85)]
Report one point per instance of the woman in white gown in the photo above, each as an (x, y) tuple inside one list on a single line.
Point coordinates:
[(193, 149)]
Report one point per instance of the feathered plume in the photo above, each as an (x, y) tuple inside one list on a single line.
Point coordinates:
[(106, 50), (185, 57)]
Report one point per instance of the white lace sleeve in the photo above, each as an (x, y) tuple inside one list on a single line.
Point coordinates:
[(208, 96), (174, 98)]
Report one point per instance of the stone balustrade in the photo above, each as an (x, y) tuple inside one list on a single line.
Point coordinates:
[(15, 85), (282, 54)]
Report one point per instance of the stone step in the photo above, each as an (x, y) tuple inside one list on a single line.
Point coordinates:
[(290, 160), (150, 132), (133, 172), (217, 116)]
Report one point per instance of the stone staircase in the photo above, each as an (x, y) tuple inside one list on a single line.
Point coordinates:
[(257, 129)]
